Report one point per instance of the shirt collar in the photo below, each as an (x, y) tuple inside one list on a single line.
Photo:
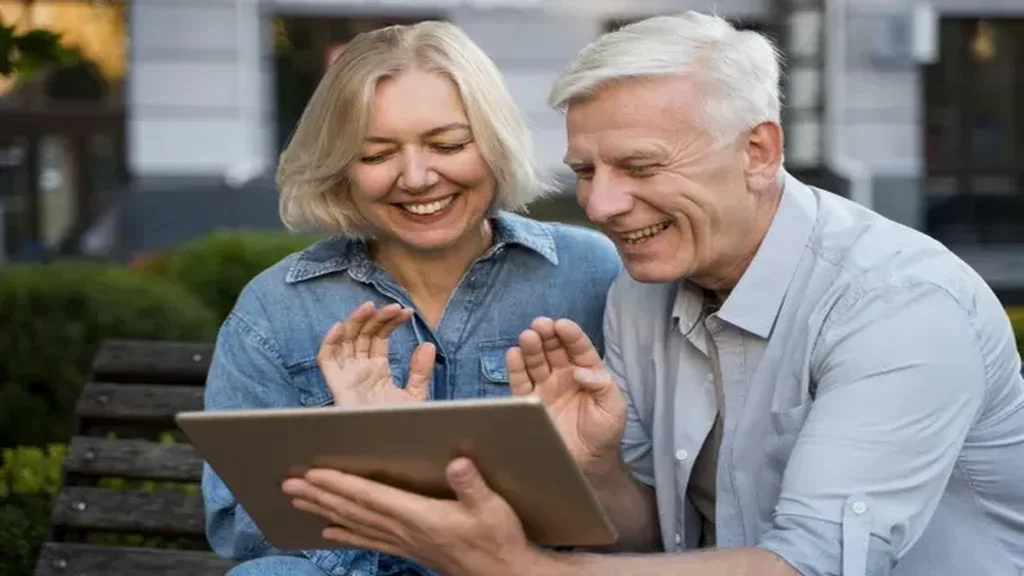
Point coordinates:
[(338, 253), (755, 302)]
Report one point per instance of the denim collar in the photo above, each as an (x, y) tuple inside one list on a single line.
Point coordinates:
[(339, 253)]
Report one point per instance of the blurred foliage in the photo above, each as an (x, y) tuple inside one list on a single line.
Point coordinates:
[(30, 479), (31, 51), (217, 266), (24, 523), (55, 316), (1017, 320)]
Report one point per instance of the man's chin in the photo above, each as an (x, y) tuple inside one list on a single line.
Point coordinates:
[(651, 272)]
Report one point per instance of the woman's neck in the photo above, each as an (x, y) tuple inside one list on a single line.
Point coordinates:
[(430, 277)]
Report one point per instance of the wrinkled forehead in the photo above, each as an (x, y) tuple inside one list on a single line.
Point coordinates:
[(655, 100), (634, 115)]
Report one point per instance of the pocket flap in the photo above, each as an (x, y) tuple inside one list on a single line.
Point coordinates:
[(492, 361)]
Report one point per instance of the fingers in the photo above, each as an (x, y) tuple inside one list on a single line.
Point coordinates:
[(353, 324), (579, 347), (329, 344), (536, 362), (421, 371), (366, 330), (349, 539), (379, 342), (518, 379), (405, 508), (554, 349), (371, 329), (339, 510), (467, 483)]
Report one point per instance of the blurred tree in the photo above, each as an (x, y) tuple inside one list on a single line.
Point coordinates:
[(28, 52)]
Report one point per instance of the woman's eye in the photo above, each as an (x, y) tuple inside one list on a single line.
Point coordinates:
[(374, 159), (449, 148)]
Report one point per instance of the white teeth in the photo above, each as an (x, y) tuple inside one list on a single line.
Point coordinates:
[(647, 232), (429, 208)]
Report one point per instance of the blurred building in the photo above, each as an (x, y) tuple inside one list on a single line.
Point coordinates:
[(916, 109)]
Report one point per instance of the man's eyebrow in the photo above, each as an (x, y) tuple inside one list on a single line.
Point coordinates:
[(574, 162), (638, 155), (429, 133)]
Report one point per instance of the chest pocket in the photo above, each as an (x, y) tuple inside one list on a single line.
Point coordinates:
[(313, 391), (493, 369)]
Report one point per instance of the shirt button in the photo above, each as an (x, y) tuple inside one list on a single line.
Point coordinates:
[(679, 538), (859, 507), (681, 454)]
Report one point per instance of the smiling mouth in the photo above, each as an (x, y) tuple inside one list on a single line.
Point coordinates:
[(428, 208), (644, 234)]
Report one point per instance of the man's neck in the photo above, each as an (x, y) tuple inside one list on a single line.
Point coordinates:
[(723, 283)]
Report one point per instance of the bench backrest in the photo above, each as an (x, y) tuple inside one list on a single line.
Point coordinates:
[(121, 479)]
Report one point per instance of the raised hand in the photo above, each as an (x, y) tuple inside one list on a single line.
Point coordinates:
[(353, 357), (557, 362)]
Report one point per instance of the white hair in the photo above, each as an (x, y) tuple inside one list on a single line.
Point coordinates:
[(737, 70)]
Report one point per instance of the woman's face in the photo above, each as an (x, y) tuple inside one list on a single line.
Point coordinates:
[(420, 179)]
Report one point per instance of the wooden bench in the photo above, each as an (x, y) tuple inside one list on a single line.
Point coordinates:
[(135, 390)]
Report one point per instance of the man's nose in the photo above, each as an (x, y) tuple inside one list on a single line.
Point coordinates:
[(417, 172), (606, 198)]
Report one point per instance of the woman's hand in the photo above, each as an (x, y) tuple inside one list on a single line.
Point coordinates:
[(354, 359)]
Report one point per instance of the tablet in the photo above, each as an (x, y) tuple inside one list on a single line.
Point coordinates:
[(512, 440)]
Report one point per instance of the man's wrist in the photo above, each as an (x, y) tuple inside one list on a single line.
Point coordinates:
[(544, 562), (608, 473)]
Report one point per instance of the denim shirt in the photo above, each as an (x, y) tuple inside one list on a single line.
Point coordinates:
[(265, 353)]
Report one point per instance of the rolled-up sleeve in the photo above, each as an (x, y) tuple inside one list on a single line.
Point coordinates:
[(637, 448), (900, 379)]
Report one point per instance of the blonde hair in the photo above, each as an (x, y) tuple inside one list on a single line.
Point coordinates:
[(312, 172), (738, 70)]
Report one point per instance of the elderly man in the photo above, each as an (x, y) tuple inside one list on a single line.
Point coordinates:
[(791, 381)]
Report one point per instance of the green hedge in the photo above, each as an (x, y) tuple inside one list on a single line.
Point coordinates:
[(1017, 319), (55, 315), (216, 267), (29, 481)]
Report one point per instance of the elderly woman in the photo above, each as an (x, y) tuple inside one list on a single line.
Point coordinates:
[(411, 156)]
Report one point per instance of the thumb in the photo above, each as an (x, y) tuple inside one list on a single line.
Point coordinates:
[(421, 371), (469, 486)]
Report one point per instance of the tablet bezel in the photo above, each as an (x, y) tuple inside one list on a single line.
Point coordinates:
[(512, 440)]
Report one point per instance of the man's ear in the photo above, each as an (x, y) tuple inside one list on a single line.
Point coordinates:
[(764, 155)]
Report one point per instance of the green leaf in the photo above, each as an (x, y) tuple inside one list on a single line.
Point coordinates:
[(37, 49), (6, 50)]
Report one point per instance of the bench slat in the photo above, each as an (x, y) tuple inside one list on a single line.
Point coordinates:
[(62, 559), (144, 403), (159, 512), (152, 362), (129, 458)]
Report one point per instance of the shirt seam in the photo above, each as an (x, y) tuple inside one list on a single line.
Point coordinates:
[(256, 336), (977, 502)]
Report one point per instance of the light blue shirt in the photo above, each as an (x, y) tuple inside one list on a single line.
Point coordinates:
[(265, 354), (873, 400)]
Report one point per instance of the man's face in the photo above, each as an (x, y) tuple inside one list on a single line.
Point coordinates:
[(652, 179)]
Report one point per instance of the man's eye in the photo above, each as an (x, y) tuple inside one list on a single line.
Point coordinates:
[(640, 170), (584, 173)]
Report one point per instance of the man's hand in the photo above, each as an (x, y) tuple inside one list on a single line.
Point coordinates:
[(478, 533), (354, 359), (557, 362)]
